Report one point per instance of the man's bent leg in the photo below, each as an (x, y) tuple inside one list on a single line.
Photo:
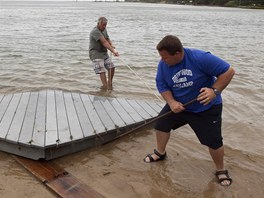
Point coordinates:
[(218, 157), (162, 139)]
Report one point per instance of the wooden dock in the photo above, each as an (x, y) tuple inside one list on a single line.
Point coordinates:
[(48, 124)]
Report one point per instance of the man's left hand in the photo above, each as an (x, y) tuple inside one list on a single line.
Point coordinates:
[(206, 95)]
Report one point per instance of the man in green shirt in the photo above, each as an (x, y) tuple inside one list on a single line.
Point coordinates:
[(99, 44)]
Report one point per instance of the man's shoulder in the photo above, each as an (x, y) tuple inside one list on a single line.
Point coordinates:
[(195, 53), (95, 34), (95, 29)]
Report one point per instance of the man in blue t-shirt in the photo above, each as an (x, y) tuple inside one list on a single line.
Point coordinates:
[(98, 46), (183, 75)]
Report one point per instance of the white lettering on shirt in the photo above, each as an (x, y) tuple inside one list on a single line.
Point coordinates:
[(180, 78)]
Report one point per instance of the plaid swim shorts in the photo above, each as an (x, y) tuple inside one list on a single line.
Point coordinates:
[(101, 65)]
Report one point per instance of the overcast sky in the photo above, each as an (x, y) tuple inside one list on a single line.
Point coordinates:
[(46, 0), (58, 0)]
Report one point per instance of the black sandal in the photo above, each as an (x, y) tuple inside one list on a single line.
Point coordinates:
[(151, 159), (227, 178)]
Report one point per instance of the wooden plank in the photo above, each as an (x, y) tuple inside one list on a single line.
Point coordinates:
[(16, 125), (1, 98), (28, 124), (75, 127), (155, 106), (64, 134), (139, 109), (39, 131), (51, 120), (104, 117), (92, 114), (86, 125), (63, 183), (9, 115), (121, 111), (4, 105), (147, 108), (130, 110), (161, 105), (112, 113)]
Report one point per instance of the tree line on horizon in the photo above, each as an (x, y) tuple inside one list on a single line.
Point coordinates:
[(228, 3)]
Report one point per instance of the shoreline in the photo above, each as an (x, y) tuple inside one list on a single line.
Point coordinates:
[(224, 6)]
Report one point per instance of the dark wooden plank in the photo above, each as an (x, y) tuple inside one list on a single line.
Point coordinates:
[(64, 134), (86, 125), (104, 117), (130, 110), (75, 127), (39, 131), (18, 119), (28, 124), (51, 120), (121, 111), (92, 114), (9, 115), (63, 183)]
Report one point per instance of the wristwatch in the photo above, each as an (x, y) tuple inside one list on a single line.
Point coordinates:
[(216, 91)]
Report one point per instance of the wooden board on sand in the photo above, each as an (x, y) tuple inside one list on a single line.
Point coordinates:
[(57, 179)]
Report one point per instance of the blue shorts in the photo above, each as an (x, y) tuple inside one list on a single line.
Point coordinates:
[(206, 124), (101, 65)]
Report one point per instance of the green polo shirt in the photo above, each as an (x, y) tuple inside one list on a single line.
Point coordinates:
[(96, 49)]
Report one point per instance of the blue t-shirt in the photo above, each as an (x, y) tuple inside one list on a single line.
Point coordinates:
[(198, 69)]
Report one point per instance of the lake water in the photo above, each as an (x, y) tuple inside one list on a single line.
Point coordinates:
[(45, 45)]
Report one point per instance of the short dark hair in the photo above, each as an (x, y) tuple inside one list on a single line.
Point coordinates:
[(171, 44)]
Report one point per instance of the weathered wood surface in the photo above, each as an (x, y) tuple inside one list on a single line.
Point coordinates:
[(57, 179), (52, 123)]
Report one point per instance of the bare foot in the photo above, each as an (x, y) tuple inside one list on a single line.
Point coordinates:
[(110, 87), (103, 87)]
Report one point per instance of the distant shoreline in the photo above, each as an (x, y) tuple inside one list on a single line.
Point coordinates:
[(224, 6)]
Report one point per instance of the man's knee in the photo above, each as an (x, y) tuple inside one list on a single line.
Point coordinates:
[(215, 145)]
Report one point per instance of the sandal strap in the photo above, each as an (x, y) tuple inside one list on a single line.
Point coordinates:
[(151, 159), (225, 179), (158, 154), (221, 172)]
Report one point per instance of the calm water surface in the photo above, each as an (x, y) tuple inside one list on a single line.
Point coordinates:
[(45, 45)]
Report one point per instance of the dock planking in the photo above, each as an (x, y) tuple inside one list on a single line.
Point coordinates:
[(47, 124)]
